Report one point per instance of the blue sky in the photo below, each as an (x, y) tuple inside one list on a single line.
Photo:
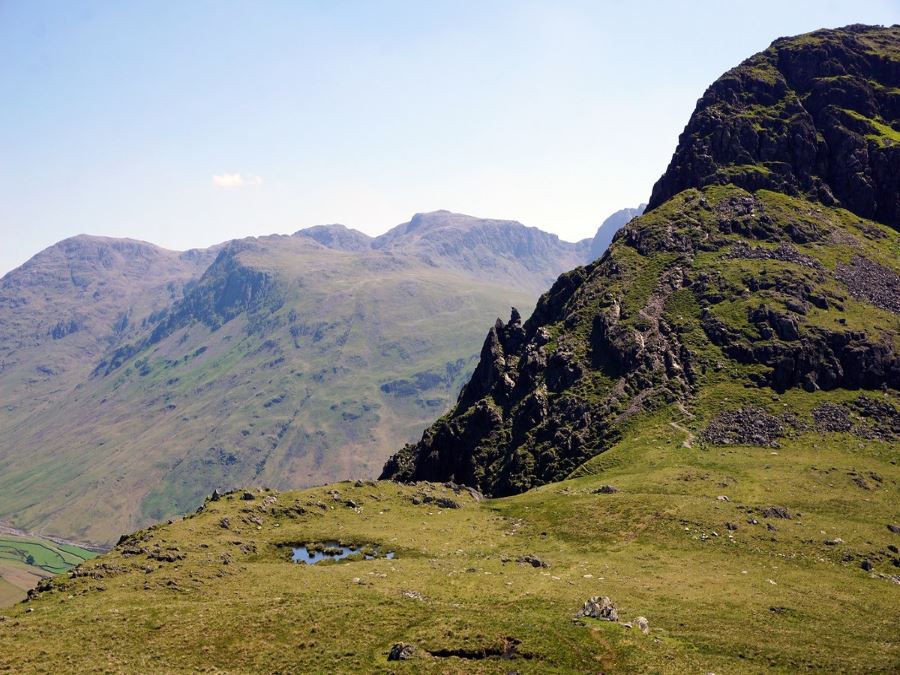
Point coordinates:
[(188, 123)]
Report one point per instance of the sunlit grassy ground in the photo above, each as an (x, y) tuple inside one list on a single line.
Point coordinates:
[(749, 600)]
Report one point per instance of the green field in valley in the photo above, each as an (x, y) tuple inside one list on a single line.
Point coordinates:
[(24, 560)]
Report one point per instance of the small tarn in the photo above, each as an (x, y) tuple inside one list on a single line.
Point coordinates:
[(313, 553)]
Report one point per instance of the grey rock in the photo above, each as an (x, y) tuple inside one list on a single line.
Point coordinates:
[(600, 607), (532, 560), (401, 652)]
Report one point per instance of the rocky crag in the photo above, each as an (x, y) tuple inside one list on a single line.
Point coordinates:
[(767, 258)]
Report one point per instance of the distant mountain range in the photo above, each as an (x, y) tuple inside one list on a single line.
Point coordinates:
[(134, 380), (609, 227)]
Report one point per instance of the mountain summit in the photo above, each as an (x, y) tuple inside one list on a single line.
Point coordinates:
[(766, 258), (814, 117)]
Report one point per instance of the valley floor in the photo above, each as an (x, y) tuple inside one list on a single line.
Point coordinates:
[(26, 559)]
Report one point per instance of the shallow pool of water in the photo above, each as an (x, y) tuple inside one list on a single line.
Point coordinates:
[(330, 550)]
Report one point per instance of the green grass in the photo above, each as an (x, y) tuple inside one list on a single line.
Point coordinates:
[(9, 593), (881, 132), (709, 598)]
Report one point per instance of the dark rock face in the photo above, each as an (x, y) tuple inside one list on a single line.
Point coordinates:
[(225, 290), (814, 117), (713, 278)]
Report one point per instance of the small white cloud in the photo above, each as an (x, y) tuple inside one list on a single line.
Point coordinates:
[(235, 180)]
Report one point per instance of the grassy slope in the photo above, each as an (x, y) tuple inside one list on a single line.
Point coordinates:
[(742, 601), (258, 406)]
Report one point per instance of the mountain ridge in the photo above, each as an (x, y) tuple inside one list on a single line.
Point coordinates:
[(678, 294), (242, 361)]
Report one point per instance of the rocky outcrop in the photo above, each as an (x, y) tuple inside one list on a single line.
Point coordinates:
[(713, 277), (814, 116), (227, 289)]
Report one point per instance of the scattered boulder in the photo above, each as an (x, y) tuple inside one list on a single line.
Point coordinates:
[(776, 512), (882, 419), (642, 623), (894, 528), (446, 503), (785, 252), (413, 595), (225, 524), (603, 608), (401, 652), (440, 502), (248, 496), (532, 560), (606, 490), (861, 483), (166, 556), (834, 542), (867, 565)]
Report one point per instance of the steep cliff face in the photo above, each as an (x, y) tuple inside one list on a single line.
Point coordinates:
[(815, 116), (737, 275)]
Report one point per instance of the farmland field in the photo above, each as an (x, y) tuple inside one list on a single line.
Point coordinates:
[(24, 560)]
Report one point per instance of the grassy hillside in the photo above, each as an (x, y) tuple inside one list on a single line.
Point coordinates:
[(340, 359), (135, 380), (690, 540)]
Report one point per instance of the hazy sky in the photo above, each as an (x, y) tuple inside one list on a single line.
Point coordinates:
[(186, 122)]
